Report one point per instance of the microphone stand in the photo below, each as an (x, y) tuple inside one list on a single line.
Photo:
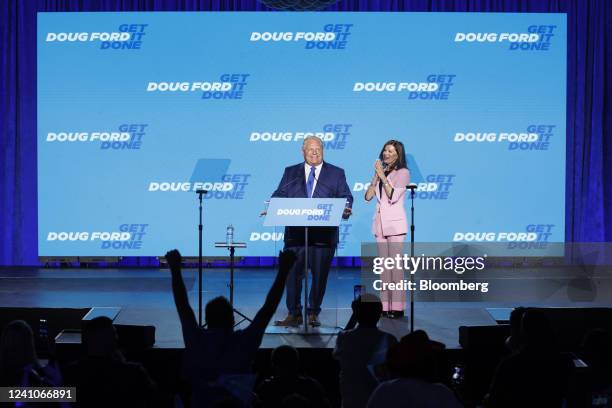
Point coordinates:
[(232, 247), (412, 187), (200, 193)]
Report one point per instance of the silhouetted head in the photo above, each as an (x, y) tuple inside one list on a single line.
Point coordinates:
[(219, 314), (514, 341), (367, 309), (285, 361), (393, 155), (596, 349), (229, 401), (536, 330), (100, 337), (414, 356), (295, 401), (16, 347)]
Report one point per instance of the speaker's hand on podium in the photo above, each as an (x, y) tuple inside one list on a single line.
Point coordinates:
[(348, 211)]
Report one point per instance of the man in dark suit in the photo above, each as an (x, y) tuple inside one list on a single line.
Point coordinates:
[(317, 179)]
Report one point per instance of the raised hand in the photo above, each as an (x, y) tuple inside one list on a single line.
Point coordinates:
[(378, 167), (174, 259)]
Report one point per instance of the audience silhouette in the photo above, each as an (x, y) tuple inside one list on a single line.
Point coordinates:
[(361, 350), (596, 351), (218, 359), (412, 364), (376, 371), (514, 341), (103, 377), (536, 375), (19, 364), (287, 382)]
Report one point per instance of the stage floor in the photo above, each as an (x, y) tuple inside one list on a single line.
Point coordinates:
[(145, 298)]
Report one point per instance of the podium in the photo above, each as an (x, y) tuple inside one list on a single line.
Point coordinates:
[(305, 212)]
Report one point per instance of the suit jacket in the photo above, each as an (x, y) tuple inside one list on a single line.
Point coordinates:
[(392, 213), (330, 184)]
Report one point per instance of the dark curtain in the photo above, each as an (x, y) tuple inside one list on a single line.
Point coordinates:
[(588, 172)]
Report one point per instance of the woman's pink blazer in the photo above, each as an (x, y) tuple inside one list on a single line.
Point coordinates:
[(392, 213)]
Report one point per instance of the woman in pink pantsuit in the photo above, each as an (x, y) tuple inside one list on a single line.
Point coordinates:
[(390, 225)]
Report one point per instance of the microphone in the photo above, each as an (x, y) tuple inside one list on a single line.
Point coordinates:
[(411, 186), (274, 194), (201, 191), (287, 184), (321, 184), (348, 204)]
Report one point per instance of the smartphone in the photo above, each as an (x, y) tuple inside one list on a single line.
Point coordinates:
[(43, 337), (357, 291)]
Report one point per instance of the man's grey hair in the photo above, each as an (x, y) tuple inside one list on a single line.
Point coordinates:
[(308, 138)]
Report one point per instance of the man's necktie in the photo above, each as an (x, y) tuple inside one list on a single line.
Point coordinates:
[(310, 182)]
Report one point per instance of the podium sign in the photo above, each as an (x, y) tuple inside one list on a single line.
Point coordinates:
[(305, 212)]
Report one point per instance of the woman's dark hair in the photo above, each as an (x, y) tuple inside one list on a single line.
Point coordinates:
[(400, 163)]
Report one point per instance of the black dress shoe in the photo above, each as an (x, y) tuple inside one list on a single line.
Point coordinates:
[(290, 321), (313, 320), (386, 314)]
